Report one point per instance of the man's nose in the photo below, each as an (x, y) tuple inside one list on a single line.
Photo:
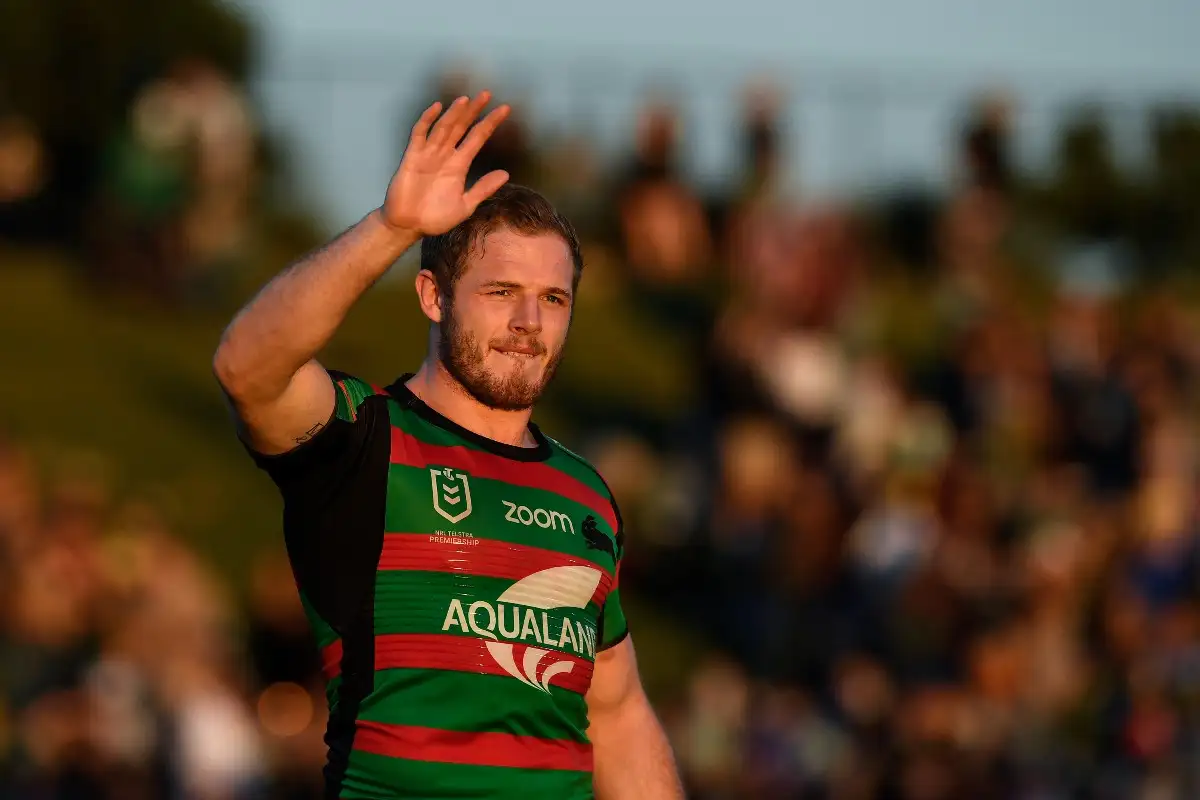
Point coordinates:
[(527, 316)]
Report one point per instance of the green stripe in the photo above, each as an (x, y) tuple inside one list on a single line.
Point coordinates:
[(372, 777), (436, 698), (410, 509), (324, 634), (567, 462), (416, 426), (408, 601), (614, 625), (349, 395)]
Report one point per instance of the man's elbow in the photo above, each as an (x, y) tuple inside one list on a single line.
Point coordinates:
[(234, 381), (235, 376), (225, 370)]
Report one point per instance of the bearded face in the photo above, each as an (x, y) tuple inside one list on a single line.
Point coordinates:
[(504, 328), (511, 385)]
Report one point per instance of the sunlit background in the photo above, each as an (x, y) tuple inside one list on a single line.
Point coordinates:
[(888, 344)]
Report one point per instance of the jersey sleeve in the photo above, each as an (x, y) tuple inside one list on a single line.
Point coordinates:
[(335, 447), (613, 625), (334, 490), (350, 394)]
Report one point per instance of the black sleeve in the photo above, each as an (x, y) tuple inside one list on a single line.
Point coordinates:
[(328, 454), (334, 490)]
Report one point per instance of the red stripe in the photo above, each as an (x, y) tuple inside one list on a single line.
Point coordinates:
[(459, 654), (468, 654), (410, 451), (489, 558), (461, 747), (331, 659), (349, 402)]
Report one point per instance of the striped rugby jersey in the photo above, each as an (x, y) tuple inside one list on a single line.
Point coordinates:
[(459, 589)]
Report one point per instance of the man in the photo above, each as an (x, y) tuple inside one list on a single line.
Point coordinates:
[(459, 568)]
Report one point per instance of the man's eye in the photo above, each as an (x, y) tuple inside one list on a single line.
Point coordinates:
[(502, 292), (553, 298)]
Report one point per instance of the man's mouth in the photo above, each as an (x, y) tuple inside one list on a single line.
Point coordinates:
[(519, 350)]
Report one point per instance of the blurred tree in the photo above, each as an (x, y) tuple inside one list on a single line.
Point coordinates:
[(1087, 195), (1168, 233), (71, 67)]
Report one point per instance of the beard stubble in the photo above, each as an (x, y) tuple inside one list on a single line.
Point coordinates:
[(463, 357)]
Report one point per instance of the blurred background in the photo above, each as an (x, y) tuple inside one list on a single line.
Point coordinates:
[(888, 343)]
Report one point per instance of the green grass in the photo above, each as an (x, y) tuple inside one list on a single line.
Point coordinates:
[(132, 386)]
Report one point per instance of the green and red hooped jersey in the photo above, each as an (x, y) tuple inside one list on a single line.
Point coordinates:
[(459, 589)]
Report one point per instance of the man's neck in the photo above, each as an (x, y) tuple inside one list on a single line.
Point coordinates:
[(440, 391)]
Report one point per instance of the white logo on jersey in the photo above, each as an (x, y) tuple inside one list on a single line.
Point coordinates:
[(524, 515), (557, 587), (451, 493)]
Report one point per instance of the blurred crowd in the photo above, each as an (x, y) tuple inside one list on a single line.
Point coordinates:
[(931, 508), (934, 502), (128, 670)]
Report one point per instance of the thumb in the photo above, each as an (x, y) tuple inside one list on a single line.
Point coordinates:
[(484, 188)]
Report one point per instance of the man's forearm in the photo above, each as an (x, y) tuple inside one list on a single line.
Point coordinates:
[(633, 759), (295, 315)]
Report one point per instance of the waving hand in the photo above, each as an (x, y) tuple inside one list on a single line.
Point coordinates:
[(428, 194)]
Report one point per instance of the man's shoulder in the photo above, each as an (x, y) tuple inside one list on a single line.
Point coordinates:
[(580, 464), (590, 530), (351, 393), (560, 448)]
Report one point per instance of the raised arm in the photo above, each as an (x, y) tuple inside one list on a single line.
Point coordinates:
[(266, 361)]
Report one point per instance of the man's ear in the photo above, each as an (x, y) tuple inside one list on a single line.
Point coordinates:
[(429, 294)]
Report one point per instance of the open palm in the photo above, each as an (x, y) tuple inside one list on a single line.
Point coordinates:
[(428, 194)]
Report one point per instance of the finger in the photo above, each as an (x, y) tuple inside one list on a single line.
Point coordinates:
[(421, 129), (464, 121), (484, 188), (482, 132), (441, 131)]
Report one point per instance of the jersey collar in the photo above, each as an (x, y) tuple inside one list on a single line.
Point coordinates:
[(539, 452)]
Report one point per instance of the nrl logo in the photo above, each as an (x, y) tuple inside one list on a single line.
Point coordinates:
[(451, 493)]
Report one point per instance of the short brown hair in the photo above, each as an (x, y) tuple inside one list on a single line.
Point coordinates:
[(515, 208)]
